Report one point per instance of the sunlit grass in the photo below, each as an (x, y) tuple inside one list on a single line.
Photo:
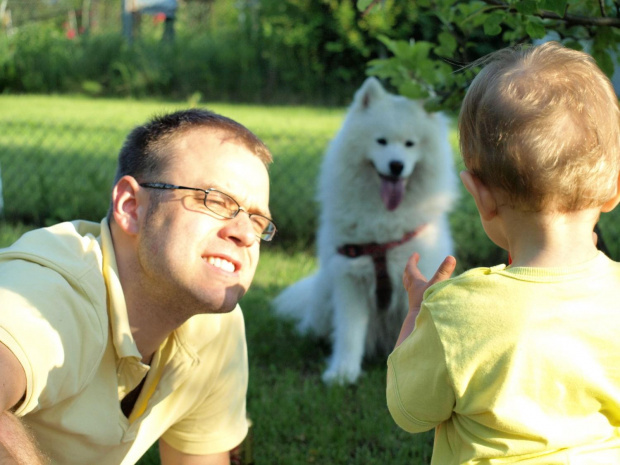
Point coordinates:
[(265, 121)]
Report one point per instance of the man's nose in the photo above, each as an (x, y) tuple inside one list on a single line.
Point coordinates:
[(241, 229)]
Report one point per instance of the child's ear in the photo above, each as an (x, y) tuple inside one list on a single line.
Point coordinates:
[(613, 202), (483, 197)]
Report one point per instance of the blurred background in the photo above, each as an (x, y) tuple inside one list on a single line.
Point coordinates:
[(78, 57), (77, 75)]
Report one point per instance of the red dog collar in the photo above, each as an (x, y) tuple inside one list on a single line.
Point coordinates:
[(378, 253)]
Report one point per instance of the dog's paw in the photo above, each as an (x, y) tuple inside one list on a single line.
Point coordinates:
[(341, 375)]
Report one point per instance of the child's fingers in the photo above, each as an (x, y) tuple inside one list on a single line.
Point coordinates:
[(412, 272), (444, 271)]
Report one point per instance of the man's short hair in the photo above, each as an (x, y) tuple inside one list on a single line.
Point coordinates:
[(145, 153), (543, 125), (147, 150)]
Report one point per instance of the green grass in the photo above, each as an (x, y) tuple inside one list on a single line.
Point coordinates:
[(58, 154), (297, 419)]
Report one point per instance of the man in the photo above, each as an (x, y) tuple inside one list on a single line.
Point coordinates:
[(115, 335)]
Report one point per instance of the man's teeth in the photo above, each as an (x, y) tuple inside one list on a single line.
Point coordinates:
[(221, 263)]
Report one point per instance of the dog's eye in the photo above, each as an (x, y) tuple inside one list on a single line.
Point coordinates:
[(382, 141), (409, 143)]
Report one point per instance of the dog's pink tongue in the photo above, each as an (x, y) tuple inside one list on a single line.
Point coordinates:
[(392, 192)]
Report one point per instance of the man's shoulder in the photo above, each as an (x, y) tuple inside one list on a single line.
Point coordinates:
[(68, 246), (57, 271), (54, 307)]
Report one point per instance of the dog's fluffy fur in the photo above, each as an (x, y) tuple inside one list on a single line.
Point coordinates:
[(388, 171)]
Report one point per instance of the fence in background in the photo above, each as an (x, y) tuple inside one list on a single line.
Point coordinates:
[(54, 172)]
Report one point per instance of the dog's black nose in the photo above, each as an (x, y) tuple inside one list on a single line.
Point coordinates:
[(396, 167)]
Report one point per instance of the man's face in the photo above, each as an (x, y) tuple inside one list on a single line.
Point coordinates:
[(188, 255)]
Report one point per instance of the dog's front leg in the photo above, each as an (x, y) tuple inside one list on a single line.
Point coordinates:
[(351, 316)]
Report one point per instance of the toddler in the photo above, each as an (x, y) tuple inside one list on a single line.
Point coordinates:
[(521, 363)]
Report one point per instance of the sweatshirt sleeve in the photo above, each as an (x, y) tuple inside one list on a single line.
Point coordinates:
[(419, 392)]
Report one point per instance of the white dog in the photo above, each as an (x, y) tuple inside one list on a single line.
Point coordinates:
[(385, 187)]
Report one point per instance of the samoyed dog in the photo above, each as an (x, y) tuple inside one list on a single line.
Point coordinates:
[(385, 187)]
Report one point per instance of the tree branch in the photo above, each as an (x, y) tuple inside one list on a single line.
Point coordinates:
[(570, 20), (371, 6)]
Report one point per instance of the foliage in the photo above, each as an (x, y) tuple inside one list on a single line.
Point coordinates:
[(44, 60), (272, 51), (324, 42), (432, 65)]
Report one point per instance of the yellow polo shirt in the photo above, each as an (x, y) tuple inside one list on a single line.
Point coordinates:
[(63, 314)]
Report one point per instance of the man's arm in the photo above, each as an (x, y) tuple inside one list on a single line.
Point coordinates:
[(170, 456), (17, 446)]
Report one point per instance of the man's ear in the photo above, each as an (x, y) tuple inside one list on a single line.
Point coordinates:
[(483, 197), (125, 204), (613, 202)]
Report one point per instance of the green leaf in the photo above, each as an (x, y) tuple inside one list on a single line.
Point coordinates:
[(389, 43), (412, 89), (605, 37), (383, 68), (363, 4), (557, 6), (492, 25), (535, 28), (470, 8), (574, 44), (418, 51), (601, 48), (447, 45), (604, 61), (526, 7)]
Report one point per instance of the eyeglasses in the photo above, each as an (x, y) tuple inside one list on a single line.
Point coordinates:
[(224, 206)]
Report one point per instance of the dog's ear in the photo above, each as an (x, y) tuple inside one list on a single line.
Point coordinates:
[(370, 91)]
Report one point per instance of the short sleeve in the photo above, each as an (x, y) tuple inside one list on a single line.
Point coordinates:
[(44, 327), (419, 392)]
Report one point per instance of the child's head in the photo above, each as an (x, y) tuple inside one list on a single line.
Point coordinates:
[(542, 124)]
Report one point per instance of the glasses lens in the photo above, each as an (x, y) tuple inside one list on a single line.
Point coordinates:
[(221, 204), (264, 227), (225, 206), (269, 232)]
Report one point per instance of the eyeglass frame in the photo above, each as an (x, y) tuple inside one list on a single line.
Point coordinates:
[(168, 186)]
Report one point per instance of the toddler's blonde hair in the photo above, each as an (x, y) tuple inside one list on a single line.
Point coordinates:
[(543, 125)]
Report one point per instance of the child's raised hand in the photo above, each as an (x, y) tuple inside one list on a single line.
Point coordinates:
[(415, 284)]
